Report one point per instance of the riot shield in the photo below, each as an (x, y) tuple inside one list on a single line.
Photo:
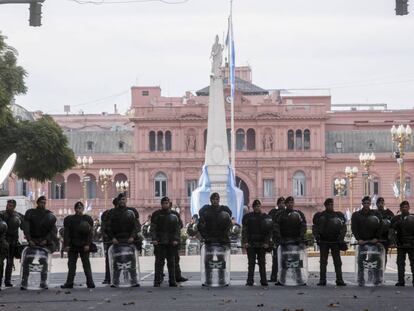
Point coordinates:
[(147, 247), (235, 246), (35, 268), (192, 246), (293, 264), (215, 265), (123, 265), (369, 264)]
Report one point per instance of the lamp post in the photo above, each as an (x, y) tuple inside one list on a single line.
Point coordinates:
[(350, 174), (366, 161), (105, 177), (401, 136), (340, 185), (84, 163), (122, 186)]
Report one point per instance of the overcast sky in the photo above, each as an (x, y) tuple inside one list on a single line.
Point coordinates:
[(88, 56)]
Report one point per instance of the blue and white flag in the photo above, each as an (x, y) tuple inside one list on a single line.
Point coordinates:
[(201, 195), (232, 57)]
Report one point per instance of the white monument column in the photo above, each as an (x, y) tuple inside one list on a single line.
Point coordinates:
[(217, 153)]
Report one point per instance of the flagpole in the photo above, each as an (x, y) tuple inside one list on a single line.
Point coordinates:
[(233, 141)]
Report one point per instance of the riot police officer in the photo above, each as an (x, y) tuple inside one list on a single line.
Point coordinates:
[(366, 225), (165, 233), (214, 225), (122, 226), (4, 247), (280, 206), (77, 240), (329, 229), (40, 230), (106, 241), (14, 221), (387, 216), (403, 225), (290, 228), (256, 238), (178, 275)]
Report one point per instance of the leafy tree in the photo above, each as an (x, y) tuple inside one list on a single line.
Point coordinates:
[(41, 147), (11, 78)]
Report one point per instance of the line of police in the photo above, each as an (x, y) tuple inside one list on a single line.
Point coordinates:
[(283, 227)]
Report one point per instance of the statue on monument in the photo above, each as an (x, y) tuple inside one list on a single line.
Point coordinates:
[(217, 57)]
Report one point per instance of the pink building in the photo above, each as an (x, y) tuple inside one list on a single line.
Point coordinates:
[(288, 142)]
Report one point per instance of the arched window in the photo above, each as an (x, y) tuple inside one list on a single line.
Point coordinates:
[(373, 186), (251, 139), (299, 184), (290, 140), (228, 132), (205, 139), (306, 139), (57, 188), (407, 186), (152, 141), (168, 141), (90, 186), (336, 192), (160, 185), (240, 140), (298, 140), (160, 141)]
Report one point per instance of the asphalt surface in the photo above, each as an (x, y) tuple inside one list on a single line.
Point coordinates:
[(192, 296)]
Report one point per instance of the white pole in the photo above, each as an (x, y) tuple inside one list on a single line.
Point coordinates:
[(233, 136)]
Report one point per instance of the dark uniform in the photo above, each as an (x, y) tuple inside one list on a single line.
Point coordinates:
[(273, 276), (290, 228), (329, 229), (14, 221), (403, 225), (40, 225), (76, 237), (214, 231), (178, 275), (257, 233), (165, 230), (4, 247), (366, 225), (106, 244), (121, 226), (387, 216)]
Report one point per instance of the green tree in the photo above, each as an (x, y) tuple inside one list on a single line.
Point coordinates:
[(41, 147), (11, 78)]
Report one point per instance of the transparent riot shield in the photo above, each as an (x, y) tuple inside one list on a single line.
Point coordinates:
[(147, 248), (369, 264), (35, 268), (293, 264), (123, 265), (192, 246), (215, 265), (235, 246)]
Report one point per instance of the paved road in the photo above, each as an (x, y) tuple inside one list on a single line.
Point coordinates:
[(191, 296)]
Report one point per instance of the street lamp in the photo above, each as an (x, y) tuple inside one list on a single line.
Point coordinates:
[(340, 185), (122, 186), (350, 174), (84, 163), (401, 136), (105, 177), (366, 161)]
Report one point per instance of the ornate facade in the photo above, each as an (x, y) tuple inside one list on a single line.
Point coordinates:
[(288, 142)]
